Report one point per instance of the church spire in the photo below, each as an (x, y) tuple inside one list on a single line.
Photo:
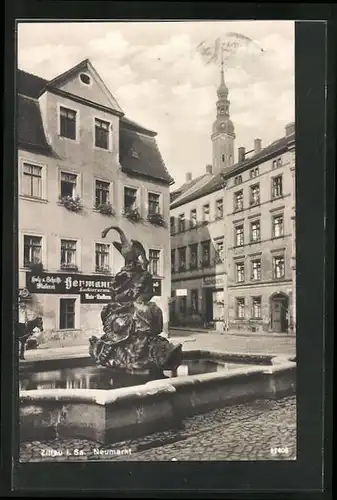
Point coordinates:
[(222, 90), (223, 134)]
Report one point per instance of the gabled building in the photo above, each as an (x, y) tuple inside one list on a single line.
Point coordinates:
[(82, 166), (233, 235)]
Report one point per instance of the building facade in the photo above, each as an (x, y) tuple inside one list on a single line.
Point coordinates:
[(233, 235), (83, 166), (259, 236)]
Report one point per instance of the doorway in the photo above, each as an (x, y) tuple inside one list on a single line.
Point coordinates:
[(208, 305), (279, 309)]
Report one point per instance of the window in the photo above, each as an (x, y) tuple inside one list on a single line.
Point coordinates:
[(277, 187), (102, 134), (240, 308), (254, 172), (32, 247), (255, 234), (154, 258), (85, 79), (240, 272), (102, 252), (182, 258), (238, 180), (278, 226), (67, 314), (219, 208), (205, 245), (68, 253), (193, 219), (102, 193), (238, 201), (205, 211), (172, 225), (194, 256), (182, 305), (256, 308), (154, 203), (173, 261), (223, 158), (256, 270), (130, 197), (277, 163), (181, 223), (255, 194), (219, 249), (238, 236), (68, 185), (195, 301), (278, 267), (32, 180), (68, 123)]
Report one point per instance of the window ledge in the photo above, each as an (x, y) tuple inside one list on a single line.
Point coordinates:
[(98, 148), (63, 138), (69, 271), (63, 330), (33, 198)]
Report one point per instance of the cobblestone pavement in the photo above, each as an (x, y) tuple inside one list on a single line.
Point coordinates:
[(259, 430)]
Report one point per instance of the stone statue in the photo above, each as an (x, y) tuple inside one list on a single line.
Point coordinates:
[(131, 321)]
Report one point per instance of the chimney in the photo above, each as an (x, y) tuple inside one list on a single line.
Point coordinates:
[(188, 176), (257, 145), (290, 128), (208, 169), (241, 154)]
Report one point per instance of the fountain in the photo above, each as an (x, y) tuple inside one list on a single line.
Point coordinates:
[(135, 381)]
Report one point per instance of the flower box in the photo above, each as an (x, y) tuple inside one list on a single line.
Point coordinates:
[(106, 209), (71, 204), (35, 267), (157, 220), (69, 267), (133, 215)]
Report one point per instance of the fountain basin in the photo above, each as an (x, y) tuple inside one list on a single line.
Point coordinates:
[(113, 415)]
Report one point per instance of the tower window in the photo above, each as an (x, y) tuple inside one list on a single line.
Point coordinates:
[(223, 158)]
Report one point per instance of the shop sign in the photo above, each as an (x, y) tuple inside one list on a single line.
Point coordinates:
[(67, 283), (212, 281), (92, 289), (181, 292)]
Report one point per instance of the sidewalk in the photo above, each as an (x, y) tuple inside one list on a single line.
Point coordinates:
[(182, 330), (206, 341)]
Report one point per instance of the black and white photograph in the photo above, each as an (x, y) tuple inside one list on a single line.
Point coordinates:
[(156, 272)]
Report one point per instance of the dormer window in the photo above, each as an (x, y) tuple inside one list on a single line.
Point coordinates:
[(102, 134), (67, 123), (85, 78)]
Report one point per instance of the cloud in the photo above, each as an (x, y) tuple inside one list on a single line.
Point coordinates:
[(159, 79)]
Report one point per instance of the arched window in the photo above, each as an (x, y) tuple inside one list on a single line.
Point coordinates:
[(223, 158)]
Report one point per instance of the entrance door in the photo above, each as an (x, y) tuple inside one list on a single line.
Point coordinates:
[(279, 313), (208, 305)]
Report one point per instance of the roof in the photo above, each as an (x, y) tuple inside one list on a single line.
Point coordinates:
[(56, 82), (139, 153), (29, 125), (216, 181), (28, 84)]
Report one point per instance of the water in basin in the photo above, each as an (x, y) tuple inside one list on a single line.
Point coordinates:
[(94, 377)]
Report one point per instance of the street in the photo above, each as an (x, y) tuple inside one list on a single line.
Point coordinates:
[(259, 430)]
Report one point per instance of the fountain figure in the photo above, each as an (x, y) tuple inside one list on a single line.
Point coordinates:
[(132, 323)]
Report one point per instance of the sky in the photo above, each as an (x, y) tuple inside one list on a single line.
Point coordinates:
[(161, 81)]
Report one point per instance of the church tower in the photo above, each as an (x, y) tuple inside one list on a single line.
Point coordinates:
[(223, 134)]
